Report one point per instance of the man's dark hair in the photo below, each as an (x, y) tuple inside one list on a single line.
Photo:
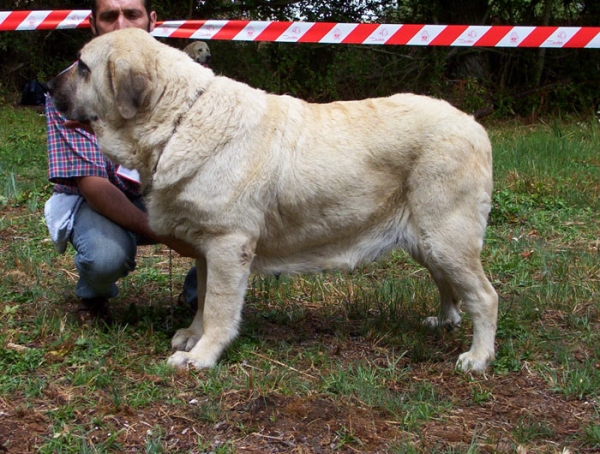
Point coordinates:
[(147, 6)]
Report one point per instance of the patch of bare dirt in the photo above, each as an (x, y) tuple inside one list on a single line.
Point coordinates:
[(518, 400), (258, 422)]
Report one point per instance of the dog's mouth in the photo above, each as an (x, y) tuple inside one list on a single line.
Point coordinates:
[(61, 88), (69, 112), (204, 61), (61, 105)]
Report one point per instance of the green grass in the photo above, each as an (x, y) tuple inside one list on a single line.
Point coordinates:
[(338, 362)]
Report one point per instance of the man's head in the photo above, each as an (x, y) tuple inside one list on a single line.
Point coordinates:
[(111, 15)]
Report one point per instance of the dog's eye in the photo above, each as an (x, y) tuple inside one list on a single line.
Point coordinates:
[(82, 69)]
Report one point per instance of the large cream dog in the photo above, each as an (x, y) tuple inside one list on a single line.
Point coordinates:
[(265, 183)]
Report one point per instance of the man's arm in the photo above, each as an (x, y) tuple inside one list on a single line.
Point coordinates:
[(106, 199)]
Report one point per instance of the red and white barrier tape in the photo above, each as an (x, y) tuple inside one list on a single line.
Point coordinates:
[(329, 32)]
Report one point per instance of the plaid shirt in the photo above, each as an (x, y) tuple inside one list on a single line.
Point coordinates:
[(74, 153)]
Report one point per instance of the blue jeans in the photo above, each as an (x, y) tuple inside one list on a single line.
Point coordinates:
[(105, 253)]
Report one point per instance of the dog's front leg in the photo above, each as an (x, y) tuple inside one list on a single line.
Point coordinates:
[(228, 261)]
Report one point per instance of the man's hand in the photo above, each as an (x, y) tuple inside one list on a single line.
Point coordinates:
[(181, 247)]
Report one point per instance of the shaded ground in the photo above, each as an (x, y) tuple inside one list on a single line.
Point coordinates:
[(485, 411)]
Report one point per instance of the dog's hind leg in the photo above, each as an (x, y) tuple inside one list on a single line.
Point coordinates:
[(228, 261), (186, 338), (457, 271), (449, 315), (481, 303)]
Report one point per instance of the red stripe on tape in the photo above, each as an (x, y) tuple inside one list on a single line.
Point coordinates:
[(582, 37), (53, 20), (273, 31), (405, 34), (316, 32), (360, 34), (537, 37), (185, 30), (231, 30), (494, 35), (448, 35), (13, 20)]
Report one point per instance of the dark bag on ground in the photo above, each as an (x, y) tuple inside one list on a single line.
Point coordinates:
[(34, 93)]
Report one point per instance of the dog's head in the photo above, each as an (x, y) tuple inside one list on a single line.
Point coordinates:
[(133, 90), (111, 76), (199, 51)]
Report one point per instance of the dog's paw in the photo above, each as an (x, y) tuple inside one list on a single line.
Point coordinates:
[(434, 322), (431, 322), (470, 362), (185, 339), (185, 360)]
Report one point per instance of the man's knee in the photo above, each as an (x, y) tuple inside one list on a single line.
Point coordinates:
[(106, 264)]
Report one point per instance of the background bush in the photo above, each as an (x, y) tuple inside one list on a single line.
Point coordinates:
[(522, 82)]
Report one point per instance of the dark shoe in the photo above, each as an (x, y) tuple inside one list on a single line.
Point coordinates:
[(189, 295), (193, 304), (91, 310)]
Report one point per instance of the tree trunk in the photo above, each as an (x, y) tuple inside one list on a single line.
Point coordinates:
[(539, 70)]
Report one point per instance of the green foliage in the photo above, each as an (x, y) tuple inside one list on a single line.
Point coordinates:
[(22, 157), (592, 433), (574, 381), (37, 55), (500, 80), (14, 363)]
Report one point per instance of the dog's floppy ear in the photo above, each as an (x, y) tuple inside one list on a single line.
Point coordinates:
[(129, 87)]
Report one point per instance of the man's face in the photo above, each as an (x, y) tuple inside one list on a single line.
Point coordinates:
[(114, 15)]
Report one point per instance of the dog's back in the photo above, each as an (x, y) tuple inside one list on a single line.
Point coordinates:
[(366, 178)]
